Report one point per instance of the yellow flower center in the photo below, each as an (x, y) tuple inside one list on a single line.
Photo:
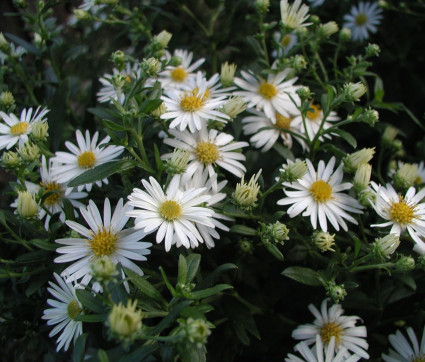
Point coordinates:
[(55, 193), (286, 40), (315, 113), (419, 359), (361, 19), (128, 79), (282, 121), (86, 159), (330, 330), (207, 152), (178, 74), (191, 103), (73, 309), (267, 90), (206, 95), (104, 243), (170, 210), (418, 180), (401, 212), (19, 128), (321, 191)]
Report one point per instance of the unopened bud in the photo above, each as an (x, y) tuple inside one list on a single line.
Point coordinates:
[(103, 269), (274, 233), (383, 248), (298, 63), (304, 93), (6, 100), (294, 171), (345, 34), (405, 176), (4, 45), (177, 164), (27, 207), (10, 160), (370, 116), (262, 6), (125, 321), (163, 38), (40, 130), (328, 29), (175, 61), (405, 263), (82, 14), (158, 112), (356, 159), (389, 135), (119, 58), (234, 106), (151, 66), (29, 152), (335, 291), (362, 177), (227, 74), (372, 50), (323, 241), (352, 92), (197, 330), (245, 194)]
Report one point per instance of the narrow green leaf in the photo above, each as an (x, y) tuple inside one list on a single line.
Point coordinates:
[(182, 272), (205, 293), (243, 230), (88, 300), (212, 277), (357, 246), (346, 136), (171, 317), (285, 152), (150, 105), (44, 244), (146, 288), (79, 347), (272, 249), (24, 44), (91, 318), (102, 356), (140, 353), (102, 171), (193, 261), (302, 275), (113, 126), (103, 113)]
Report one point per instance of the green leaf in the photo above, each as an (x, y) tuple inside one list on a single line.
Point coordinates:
[(102, 356), (79, 347), (44, 244), (379, 89), (357, 246), (302, 275), (24, 44), (103, 113), (146, 288), (193, 261), (205, 293), (182, 272), (158, 162), (150, 105), (243, 230), (346, 136), (91, 318), (113, 126), (171, 317), (140, 353), (102, 171), (210, 279), (89, 300), (273, 249), (285, 152)]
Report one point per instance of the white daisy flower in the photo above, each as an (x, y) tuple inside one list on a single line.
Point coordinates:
[(66, 308), (17, 130), (271, 96), (330, 322), (87, 155), (420, 178), (320, 353), (14, 51), (108, 91), (313, 120), (286, 43), (320, 195), (105, 237), (54, 202), (363, 19), (208, 148), (174, 215), (266, 133), (294, 16), (193, 108), (402, 212), (177, 77), (199, 180), (212, 86), (403, 350)]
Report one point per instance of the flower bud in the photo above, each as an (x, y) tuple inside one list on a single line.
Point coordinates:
[(405, 176), (328, 29), (158, 112), (125, 321), (362, 177), (356, 159), (372, 50), (40, 130), (297, 62), (82, 14), (370, 116), (151, 66), (382, 248), (227, 74), (245, 194), (345, 34), (352, 92), (323, 241), (367, 197), (246, 246), (405, 263), (10, 159), (119, 58), (234, 106), (197, 330), (389, 135), (304, 93), (178, 162), (163, 38), (29, 152), (27, 207), (6, 100), (293, 171), (335, 291), (175, 61), (262, 6), (103, 269), (274, 233), (4, 45)]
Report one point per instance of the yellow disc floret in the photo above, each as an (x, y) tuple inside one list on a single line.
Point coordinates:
[(104, 242), (86, 159), (419, 358), (55, 193), (191, 102), (282, 121), (315, 113), (19, 128), (330, 330), (207, 152), (170, 210), (321, 191), (361, 19), (73, 309), (267, 90), (401, 212), (178, 74)]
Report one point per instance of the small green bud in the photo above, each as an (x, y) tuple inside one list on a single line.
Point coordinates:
[(335, 291), (389, 135), (125, 322), (197, 330), (151, 66), (246, 246), (262, 6), (370, 116), (27, 207), (40, 130), (304, 93), (366, 197), (4, 45), (294, 171), (274, 233), (185, 290), (177, 164), (324, 241), (297, 62), (29, 152), (119, 58), (6, 100), (175, 61), (158, 112), (10, 160), (352, 92), (328, 29), (345, 34), (372, 50), (103, 269), (163, 38), (82, 14), (405, 263)]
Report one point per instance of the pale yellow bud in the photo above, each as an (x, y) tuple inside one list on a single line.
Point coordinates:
[(362, 177), (103, 268), (178, 162), (27, 207), (158, 112), (4, 45), (227, 74), (353, 91), (6, 100), (406, 175), (125, 321), (29, 152), (354, 160), (163, 38), (40, 130), (245, 194), (10, 159), (324, 241), (328, 29), (234, 106), (384, 247)]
